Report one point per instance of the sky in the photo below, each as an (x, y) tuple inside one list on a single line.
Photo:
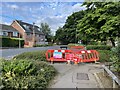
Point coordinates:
[(52, 13)]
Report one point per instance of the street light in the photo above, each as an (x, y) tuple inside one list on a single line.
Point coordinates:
[(19, 41), (33, 34)]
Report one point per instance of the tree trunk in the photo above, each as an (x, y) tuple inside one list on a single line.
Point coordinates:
[(112, 41)]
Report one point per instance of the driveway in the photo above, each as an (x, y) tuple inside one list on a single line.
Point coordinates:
[(74, 76)]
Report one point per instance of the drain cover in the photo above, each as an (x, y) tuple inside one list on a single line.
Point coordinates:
[(82, 76)]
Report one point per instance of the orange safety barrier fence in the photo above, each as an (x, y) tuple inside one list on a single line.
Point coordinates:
[(72, 55)]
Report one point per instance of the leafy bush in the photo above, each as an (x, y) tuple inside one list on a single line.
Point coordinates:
[(36, 55), (116, 57), (44, 45), (98, 47), (70, 45), (26, 74), (11, 42), (105, 55)]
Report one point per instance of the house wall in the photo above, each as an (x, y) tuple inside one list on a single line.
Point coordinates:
[(28, 37), (19, 29)]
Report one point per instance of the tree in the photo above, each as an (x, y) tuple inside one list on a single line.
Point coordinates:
[(47, 31), (101, 22), (69, 30), (60, 36)]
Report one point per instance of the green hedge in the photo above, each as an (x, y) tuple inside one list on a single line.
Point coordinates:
[(26, 74), (11, 42), (35, 55), (105, 55), (44, 45), (98, 47), (72, 44)]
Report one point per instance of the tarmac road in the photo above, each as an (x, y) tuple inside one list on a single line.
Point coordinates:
[(9, 53)]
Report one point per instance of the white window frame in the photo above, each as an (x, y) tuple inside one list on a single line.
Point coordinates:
[(15, 33)]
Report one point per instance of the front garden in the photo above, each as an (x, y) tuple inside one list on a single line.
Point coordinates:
[(27, 71)]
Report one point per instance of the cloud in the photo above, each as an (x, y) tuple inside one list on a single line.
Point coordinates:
[(53, 13), (13, 6), (56, 15), (53, 21), (77, 7)]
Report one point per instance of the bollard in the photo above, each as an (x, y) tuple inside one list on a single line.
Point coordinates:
[(114, 85), (51, 60), (68, 62)]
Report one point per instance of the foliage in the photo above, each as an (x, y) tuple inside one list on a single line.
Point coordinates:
[(67, 34), (35, 55), (98, 47), (26, 74), (101, 22), (116, 57), (44, 27), (105, 55), (70, 45), (11, 42), (43, 45)]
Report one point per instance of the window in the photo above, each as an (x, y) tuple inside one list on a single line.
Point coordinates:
[(25, 26), (15, 33), (1, 33), (37, 35), (5, 33), (28, 34)]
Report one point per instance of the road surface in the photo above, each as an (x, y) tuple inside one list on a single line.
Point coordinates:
[(9, 53)]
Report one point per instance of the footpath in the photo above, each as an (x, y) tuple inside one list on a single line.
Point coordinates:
[(77, 76)]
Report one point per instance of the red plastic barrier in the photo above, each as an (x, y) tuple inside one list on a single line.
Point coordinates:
[(72, 55), (57, 55)]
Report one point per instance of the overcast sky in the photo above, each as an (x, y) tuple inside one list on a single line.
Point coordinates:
[(53, 13)]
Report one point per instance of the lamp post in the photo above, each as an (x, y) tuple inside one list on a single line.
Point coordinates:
[(33, 34), (19, 41)]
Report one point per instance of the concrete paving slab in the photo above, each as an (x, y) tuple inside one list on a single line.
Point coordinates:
[(68, 76)]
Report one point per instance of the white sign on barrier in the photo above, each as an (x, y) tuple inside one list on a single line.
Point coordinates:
[(82, 51)]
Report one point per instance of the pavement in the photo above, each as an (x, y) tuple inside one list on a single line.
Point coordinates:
[(74, 76)]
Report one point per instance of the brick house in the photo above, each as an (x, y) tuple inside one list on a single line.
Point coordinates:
[(29, 32), (8, 31)]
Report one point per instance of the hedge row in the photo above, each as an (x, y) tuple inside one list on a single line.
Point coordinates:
[(44, 45), (26, 74), (11, 42), (105, 55), (98, 47), (70, 45), (35, 55)]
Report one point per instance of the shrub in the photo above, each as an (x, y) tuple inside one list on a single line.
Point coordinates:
[(36, 55), (105, 55), (70, 45), (98, 47), (43, 45), (116, 57), (11, 42), (26, 74)]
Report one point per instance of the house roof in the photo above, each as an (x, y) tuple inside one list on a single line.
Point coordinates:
[(7, 27), (29, 27)]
